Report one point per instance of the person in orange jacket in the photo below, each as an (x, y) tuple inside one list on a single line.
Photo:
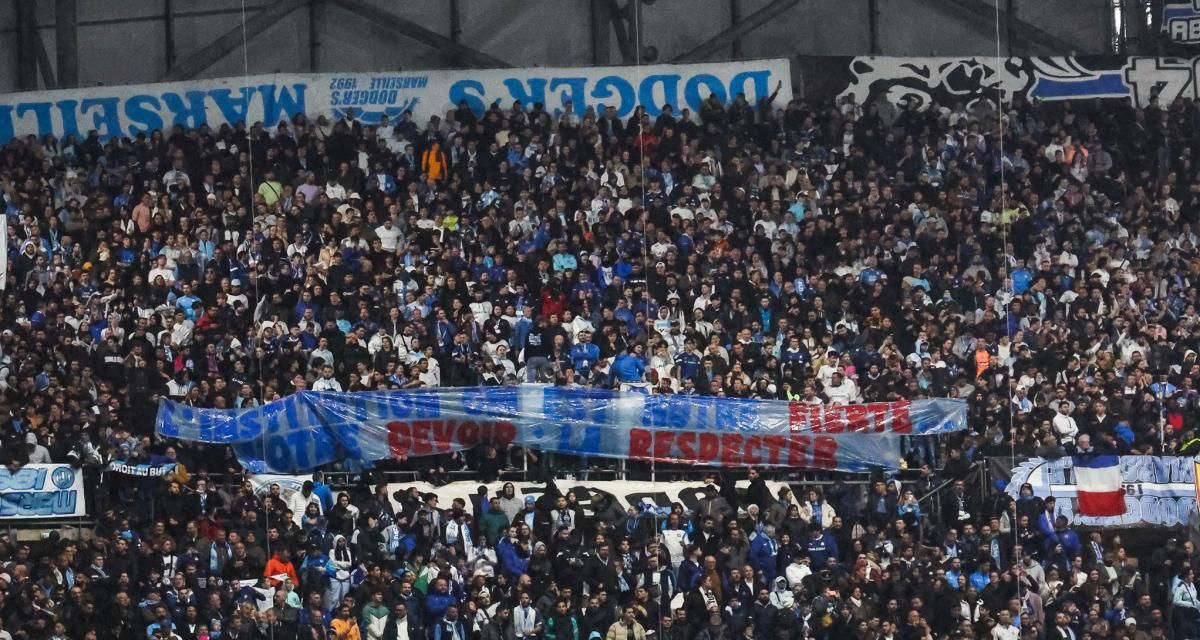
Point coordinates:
[(281, 564), (345, 625), (434, 162)]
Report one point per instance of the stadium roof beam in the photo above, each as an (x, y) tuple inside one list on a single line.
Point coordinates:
[(713, 45), (26, 64), (31, 50), (43, 60), (197, 61), (601, 21), (624, 41), (461, 53), (984, 14), (66, 42)]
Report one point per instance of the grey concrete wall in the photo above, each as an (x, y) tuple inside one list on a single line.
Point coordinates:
[(130, 44)]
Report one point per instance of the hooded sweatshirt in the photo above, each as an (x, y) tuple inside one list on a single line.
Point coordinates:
[(341, 557), (781, 596), (511, 506)]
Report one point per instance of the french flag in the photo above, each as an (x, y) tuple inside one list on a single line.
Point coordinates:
[(1098, 485)]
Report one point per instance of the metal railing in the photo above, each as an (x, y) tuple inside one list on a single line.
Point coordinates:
[(933, 497), (345, 480)]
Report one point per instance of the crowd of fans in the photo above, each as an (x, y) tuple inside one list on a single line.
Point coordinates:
[(1036, 263)]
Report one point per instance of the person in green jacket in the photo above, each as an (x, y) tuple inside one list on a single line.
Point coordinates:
[(493, 522), (374, 617), (562, 625)]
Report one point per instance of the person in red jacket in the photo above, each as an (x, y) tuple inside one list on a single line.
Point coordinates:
[(210, 323), (553, 301)]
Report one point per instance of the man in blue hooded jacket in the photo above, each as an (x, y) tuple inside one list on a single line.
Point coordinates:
[(513, 560), (629, 366), (1062, 545), (764, 552)]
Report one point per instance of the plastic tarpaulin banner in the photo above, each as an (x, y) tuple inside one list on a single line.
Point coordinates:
[(132, 109), (310, 429)]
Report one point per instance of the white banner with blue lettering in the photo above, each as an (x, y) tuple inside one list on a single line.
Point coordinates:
[(129, 110), (309, 429), (1181, 21), (41, 491), (1159, 490)]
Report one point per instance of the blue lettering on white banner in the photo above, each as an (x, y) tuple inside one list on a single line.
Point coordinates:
[(41, 491), (1181, 22), (1159, 490), (128, 111), (372, 97)]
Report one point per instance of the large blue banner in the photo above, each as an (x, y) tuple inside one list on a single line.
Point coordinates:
[(310, 429)]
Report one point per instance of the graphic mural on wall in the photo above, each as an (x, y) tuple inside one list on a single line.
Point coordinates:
[(948, 81)]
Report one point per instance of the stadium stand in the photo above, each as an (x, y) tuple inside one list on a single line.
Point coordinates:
[(1035, 263)]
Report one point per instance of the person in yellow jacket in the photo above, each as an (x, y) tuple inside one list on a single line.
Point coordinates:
[(627, 628), (345, 625)]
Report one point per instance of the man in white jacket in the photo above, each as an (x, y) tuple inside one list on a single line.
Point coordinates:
[(1064, 424), (327, 382), (798, 570), (841, 390), (298, 502)]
